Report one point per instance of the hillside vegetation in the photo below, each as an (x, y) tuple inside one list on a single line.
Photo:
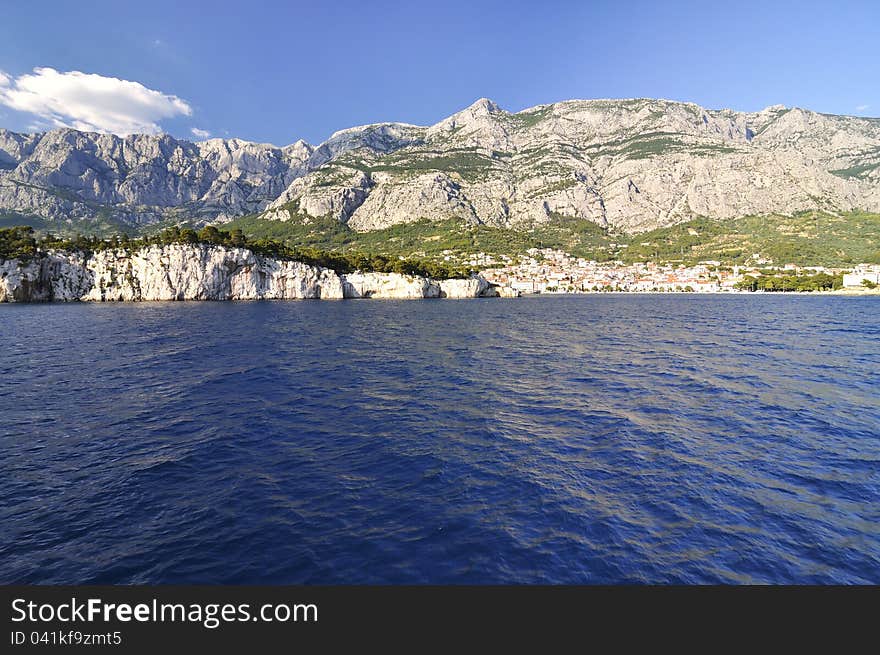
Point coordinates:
[(804, 239), (808, 238)]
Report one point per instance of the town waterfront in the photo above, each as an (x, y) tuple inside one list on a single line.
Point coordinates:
[(556, 271)]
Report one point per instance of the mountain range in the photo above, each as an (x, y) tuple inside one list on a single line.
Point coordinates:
[(626, 165)]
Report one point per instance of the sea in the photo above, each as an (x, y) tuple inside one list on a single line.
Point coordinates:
[(596, 439)]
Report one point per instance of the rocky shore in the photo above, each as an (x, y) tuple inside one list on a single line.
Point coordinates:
[(208, 272)]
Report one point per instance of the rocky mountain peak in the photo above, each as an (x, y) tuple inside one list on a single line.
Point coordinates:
[(482, 111), (483, 106)]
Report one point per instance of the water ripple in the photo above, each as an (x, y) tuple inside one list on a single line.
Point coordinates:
[(593, 439)]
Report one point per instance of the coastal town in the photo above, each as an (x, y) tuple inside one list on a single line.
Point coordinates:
[(548, 270)]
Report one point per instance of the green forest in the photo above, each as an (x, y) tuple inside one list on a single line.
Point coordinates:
[(809, 238), (783, 283)]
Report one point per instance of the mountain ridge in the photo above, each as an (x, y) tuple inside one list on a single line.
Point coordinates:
[(627, 164)]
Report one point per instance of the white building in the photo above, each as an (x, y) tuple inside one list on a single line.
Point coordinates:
[(870, 272)]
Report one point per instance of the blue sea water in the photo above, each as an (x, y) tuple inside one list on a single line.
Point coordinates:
[(592, 439)]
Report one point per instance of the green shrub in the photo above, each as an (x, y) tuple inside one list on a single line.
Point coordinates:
[(17, 242)]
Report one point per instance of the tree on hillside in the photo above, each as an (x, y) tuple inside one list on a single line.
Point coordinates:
[(210, 234), (17, 242)]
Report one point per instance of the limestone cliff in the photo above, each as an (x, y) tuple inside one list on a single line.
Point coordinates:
[(203, 272)]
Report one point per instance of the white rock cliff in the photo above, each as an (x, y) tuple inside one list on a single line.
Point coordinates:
[(202, 272)]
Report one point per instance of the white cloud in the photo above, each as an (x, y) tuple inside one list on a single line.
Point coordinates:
[(201, 134), (863, 107), (90, 102)]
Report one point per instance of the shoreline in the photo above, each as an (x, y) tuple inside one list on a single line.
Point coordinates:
[(839, 292), (110, 301), (209, 272)]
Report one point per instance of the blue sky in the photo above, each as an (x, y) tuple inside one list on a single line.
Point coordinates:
[(279, 71)]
